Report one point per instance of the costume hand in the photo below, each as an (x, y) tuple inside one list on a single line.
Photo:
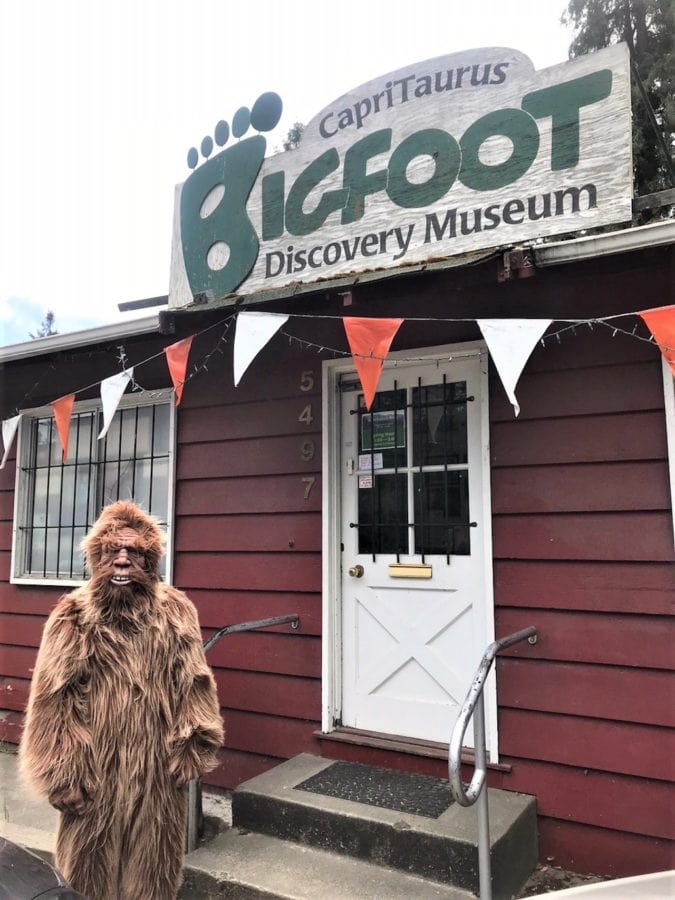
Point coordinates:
[(71, 800), (182, 772)]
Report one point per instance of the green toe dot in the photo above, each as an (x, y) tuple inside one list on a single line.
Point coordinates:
[(240, 121), (207, 146), (266, 111), (222, 133), (192, 157)]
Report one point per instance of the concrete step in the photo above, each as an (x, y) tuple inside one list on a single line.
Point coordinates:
[(431, 841), (248, 866)]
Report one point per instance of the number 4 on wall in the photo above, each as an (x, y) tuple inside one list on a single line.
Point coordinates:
[(306, 415)]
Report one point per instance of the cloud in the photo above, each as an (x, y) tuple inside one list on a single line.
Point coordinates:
[(21, 316)]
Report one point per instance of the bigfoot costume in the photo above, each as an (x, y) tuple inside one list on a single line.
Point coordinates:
[(122, 714)]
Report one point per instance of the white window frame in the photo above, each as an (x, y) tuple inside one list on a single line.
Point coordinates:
[(149, 398), (669, 403)]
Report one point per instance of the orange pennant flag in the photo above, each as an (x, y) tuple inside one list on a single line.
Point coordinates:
[(177, 359), (661, 323), (369, 342), (63, 409)]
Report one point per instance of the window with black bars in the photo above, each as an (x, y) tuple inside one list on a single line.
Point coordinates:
[(416, 501), (61, 500)]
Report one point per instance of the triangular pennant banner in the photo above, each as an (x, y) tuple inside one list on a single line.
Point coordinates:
[(177, 360), (63, 409), (111, 393), (9, 427), (510, 342), (369, 342), (661, 323), (253, 331)]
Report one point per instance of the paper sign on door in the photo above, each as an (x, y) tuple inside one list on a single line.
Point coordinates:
[(370, 461)]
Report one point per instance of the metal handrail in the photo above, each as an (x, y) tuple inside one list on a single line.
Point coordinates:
[(194, 798), (293, 620), (468, 794)]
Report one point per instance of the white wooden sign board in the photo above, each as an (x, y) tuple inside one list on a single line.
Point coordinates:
[(460, 153)]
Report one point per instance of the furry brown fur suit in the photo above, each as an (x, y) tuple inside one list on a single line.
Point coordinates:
[(122, 714)]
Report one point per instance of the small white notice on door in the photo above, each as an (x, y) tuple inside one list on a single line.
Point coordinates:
[(370, 462), (365, 481)]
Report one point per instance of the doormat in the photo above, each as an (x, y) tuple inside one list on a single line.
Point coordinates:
[(420, 795)]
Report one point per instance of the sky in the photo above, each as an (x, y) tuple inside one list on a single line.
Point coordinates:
[(101, 99)]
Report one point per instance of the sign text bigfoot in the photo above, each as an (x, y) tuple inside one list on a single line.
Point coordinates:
[(459, 153)]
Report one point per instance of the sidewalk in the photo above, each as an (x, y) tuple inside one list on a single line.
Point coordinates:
[(24, 820), (32, 823)]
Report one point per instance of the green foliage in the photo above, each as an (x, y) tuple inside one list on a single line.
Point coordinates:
[(46, 328), (294, 136), (648, 27)]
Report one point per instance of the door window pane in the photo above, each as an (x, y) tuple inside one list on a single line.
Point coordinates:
[(383, 429), (44, 436), (144, 432), (439, 424), (383, 515), (442, 513)]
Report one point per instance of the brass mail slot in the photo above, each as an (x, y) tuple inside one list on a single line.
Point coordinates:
[(409, 570)]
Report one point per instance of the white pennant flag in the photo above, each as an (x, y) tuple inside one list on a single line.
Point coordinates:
[(253, 331), (510, 342), (9, 427), (111, 393)]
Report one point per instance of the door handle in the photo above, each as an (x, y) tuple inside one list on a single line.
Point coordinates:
[(356, 571)]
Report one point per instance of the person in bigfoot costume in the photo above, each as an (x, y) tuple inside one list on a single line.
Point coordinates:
[(122, 713)]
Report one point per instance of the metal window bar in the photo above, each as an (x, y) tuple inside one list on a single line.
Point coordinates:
[(445, 471), (428, 405), (101, 470), (418, 411), (135, 456), (373, 531), (62, 481), (28, 562), (92, 467), (194, 799), (450, 523), (476, 791), (153, 425), (397, 539), (72, 520), (49, 474), (119, 454)]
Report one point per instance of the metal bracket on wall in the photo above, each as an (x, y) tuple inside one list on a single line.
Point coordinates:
[(516, 263)]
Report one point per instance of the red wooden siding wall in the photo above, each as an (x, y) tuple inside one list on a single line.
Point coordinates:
[(22, 615), (26, 384), (248, 546), (583, 546), (247, 542)]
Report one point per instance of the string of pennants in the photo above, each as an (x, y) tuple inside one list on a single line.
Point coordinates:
[(510, 343)]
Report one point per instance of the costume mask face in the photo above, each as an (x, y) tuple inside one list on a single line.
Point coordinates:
[(125, 557), (123, 550)]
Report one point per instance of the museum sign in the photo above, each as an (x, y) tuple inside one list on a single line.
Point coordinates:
[(461, 153)]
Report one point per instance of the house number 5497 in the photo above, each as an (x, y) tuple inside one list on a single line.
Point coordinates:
[(308, 448)]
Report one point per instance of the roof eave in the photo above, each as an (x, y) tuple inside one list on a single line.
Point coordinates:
[(69, 341)]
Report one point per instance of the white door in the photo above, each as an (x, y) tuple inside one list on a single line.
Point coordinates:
[(416, 562)]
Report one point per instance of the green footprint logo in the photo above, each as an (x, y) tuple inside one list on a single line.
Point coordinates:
[(220, 244)]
